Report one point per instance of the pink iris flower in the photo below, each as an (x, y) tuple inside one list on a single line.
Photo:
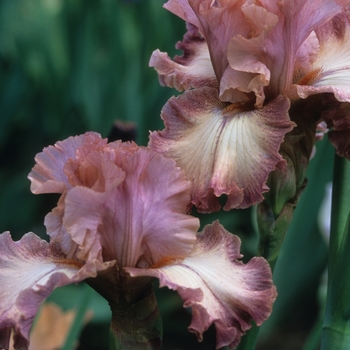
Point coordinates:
[(244, 64), (123, 213)]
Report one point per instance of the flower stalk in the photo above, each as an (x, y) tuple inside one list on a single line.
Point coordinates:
[(248, 342), (336, 327), (272, 231)]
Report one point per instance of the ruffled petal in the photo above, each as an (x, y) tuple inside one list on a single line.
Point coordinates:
[(219, 288), (97, 169), (192, 70), (29, 271), (246, 71), (48, 175), (57, 232), (276, 46), (223, 148), (331, 72), (130, 222), (183, 9), (217, 22)]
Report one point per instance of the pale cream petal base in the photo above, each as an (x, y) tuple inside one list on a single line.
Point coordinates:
[(224, 149)]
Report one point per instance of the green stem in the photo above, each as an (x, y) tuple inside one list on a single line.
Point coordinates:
[(313, 339), (336, 327), (272, 231), (340, 207), (249, 340)]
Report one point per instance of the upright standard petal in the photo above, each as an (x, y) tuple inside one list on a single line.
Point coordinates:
[(248, 60), (216, 21), (224, 149), (77, 161), (128, 220), (48, 175), (275, 47), (219, 288), (29, 271), (114, 196)]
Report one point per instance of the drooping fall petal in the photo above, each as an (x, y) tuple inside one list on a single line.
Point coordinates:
[(29, 271), (224, 149), (219, 288)]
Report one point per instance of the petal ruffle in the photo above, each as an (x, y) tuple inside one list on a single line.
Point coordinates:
[(276, 48), (48, 175), (217, 22), (223, 148), (29, 271), (130, 222), (331, 72), (246, 71), (192, 70), (219, 288), (184, 10)]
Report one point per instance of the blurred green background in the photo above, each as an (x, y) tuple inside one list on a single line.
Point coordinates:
[(70, 66)]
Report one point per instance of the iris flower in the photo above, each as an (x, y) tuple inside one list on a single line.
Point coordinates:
[(249, 68), (122, 214)]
